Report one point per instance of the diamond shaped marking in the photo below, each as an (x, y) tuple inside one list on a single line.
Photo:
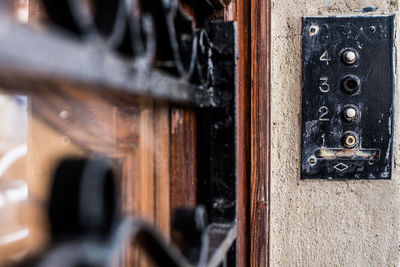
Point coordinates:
[(341, 167)]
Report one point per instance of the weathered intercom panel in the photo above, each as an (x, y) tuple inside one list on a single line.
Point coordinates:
[(348, 93)]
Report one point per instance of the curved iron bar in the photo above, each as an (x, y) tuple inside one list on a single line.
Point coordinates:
[(155, 37), (216, 241), (94, 253), (105, 18), (87, 229), (30, 59), (121, 25), (134, 231)]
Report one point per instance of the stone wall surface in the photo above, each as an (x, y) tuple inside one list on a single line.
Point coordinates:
[(324, 223)]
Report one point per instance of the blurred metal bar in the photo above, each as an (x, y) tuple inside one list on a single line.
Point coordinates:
[(31, 59), (222, 238)]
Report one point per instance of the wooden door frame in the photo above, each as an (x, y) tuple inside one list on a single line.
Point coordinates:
[(253, 130), (260, 177)]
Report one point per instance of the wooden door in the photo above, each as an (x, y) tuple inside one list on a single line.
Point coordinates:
[(153, 144)]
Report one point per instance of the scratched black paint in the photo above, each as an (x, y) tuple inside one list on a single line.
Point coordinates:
[(323, 125)]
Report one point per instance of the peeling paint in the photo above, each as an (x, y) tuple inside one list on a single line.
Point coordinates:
[(341, 153), (309, 125)]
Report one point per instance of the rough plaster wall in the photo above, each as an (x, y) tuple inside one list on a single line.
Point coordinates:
[(323, 223)]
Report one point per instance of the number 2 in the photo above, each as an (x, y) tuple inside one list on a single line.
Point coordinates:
[(324, 111)]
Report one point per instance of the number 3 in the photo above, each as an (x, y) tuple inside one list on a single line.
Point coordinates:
[(324, 86)]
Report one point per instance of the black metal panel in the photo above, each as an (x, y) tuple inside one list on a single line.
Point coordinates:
[(216, 128), (348, 69)]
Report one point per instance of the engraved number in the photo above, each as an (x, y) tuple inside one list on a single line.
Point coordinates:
[(324, 86), (323, 140), (325, 57), (324, 111)]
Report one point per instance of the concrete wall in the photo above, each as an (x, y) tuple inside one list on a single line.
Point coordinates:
[(323, 223)]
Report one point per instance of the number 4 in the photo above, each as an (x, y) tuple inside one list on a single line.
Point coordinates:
[(325, 57)]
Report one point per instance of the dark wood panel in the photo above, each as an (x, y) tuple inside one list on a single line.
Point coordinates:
[(260, 131), (183, 167), (183, 158), (162, 169), (241, 13)]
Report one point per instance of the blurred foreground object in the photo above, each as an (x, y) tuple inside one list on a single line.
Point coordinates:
[(13, 234), (87, 228), (22, 10), (97, 74)]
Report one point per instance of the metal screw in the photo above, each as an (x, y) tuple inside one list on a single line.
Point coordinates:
[(314, 30), (350, 114), (64, 115), (349, 57), (65, 139), (312, 160)]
